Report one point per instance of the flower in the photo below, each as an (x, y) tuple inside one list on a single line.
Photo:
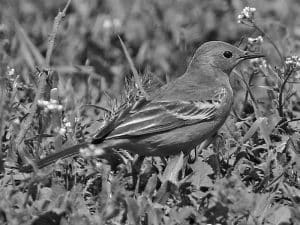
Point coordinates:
[(257, 40), (91, 151), (247, 15), (51, 105), (114, 23), (62, 131), (10, 71), (293, 62), (258, 63)]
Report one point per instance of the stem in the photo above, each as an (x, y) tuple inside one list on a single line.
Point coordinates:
[(52, 36), (255, 105), (138, 81), (28, 121), (286, 122), (271, 41), (247, 92), (98, 107), (280, 98), (2, 119)]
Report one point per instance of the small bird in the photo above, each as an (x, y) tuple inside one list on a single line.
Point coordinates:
[(179, 116)]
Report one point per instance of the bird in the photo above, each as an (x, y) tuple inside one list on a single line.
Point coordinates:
[(178, 117)]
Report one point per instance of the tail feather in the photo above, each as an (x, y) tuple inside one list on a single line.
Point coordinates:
[(111, 156), (66, 153), (48, 160)]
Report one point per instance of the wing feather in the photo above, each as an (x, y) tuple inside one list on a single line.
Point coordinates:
[(161, 116)]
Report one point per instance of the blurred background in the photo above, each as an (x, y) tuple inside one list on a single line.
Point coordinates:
[(160, 36)]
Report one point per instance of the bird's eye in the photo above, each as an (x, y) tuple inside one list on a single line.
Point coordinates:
[(227, 54)]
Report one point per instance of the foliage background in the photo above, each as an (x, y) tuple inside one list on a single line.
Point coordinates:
[(253, 179)]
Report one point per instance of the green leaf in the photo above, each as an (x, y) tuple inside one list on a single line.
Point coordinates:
[(133, 211), (151, 185), (200, 178), (281, 216), (171, 173)]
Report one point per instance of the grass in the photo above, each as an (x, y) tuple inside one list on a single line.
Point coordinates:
[(252, 178)]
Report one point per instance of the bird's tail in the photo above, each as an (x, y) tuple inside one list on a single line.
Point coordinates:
[(48, 160)]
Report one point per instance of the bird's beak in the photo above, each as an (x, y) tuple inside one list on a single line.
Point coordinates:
[(251, 55)]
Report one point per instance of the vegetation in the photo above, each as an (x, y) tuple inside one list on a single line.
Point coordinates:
[(64, 72)]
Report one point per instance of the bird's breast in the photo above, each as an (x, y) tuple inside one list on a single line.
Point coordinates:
[(224, 96)]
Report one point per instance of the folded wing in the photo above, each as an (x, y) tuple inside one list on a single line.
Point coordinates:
[(161, 116)]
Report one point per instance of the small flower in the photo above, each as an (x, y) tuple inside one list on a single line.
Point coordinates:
[(91, 151), (16, 82), (10, 71), (51, 105), (258, 63), (263, 63), (62, 131), (293, 62), (247, 15), (16, 121), (109, 23), (68, 124), (254, 43), (257, 40)]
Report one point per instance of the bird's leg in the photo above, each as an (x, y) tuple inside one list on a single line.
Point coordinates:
[(196, 151), (216, 144), (208, 141)]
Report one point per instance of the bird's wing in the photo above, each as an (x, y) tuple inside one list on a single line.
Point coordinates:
[(161, 116)]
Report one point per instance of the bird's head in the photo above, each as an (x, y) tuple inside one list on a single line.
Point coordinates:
[(221, 55)]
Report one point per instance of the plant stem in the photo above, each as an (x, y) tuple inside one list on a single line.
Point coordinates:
[(280, 98), (271, 41)]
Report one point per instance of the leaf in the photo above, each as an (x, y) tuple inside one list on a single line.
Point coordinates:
[(255, 126), (151, 185), (164, 192), (200, 177), (133, 211), (31, 52), (261, 203), (281, 216), (171, 172), (181, 215), (48, 218), (294, 144), (265, 128), (154, 216)]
